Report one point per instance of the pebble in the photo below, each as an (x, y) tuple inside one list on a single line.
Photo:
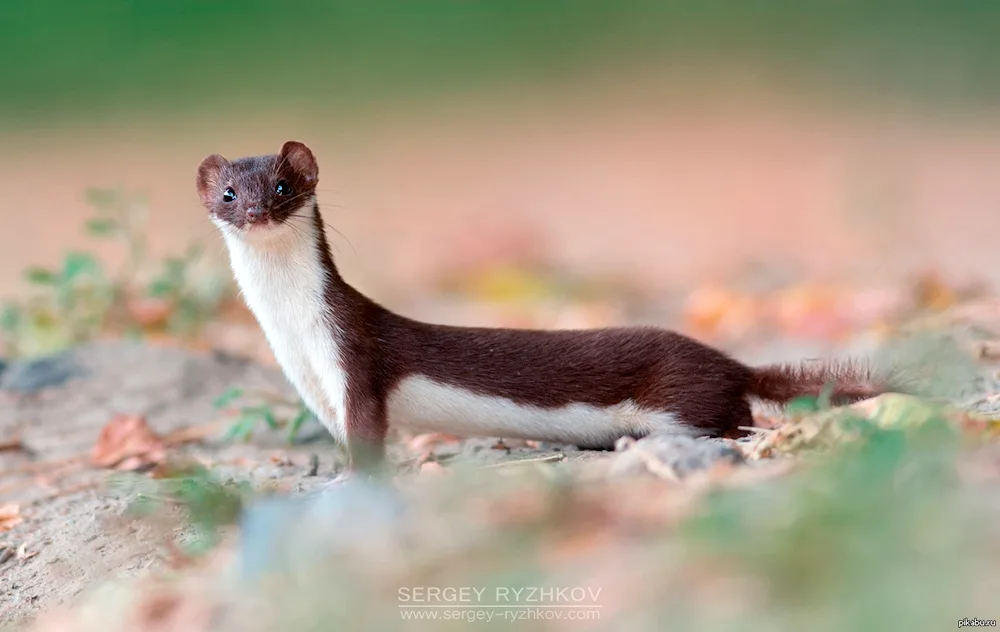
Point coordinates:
[(30, 376), (681, 455)]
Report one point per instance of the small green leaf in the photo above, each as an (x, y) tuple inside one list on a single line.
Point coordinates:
[(77, 263), (269, 418), (825, 395), (40, 276), (241, 429), (101, 227), (230, 395), (262, 412), (161, 288), (102, 198), (296, 423), (193, 253), (10, 317), (803, 404)]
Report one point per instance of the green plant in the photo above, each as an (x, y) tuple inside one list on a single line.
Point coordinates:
[(249, 416), (874, 536), (80, 299), (71, 307), (209, 504)]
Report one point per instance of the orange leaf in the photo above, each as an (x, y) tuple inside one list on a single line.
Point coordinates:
[(433, 468), (422, 443), (10, 516), (127, 443)]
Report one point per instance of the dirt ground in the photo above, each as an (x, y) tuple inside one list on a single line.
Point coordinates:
[(72, 537)]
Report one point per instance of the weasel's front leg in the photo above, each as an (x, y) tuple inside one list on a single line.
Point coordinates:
[(366, 427)]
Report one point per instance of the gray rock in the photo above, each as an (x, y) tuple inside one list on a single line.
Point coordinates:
[(680, 455), (31, 376)]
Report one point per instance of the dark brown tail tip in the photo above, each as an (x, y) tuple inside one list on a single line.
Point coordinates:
[(846, 381)]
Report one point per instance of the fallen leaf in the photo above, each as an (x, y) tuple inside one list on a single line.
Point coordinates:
[(933, 292), (13, 443), (10, 516), (149, 313), (433, 468), (989, 350), (127, 443), (424, 442), (423, 446), (280, 460)]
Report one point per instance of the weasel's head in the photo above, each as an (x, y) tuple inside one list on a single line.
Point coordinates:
[(261, 194)]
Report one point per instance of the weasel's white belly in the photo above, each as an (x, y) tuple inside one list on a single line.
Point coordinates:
[(420, 403), (283, 285)]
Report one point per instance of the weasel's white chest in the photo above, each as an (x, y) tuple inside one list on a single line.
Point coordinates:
[(283, 283)]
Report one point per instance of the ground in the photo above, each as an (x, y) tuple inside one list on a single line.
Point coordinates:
[(75, 534)]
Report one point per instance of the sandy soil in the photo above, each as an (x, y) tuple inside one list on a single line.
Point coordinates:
[(72, 530)]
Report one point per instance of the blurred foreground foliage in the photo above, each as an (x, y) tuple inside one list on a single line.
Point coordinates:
[(878, 531)]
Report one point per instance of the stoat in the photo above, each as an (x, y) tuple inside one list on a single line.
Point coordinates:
[(362, 368)]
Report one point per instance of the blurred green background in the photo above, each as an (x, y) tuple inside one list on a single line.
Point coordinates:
[(65, 58)]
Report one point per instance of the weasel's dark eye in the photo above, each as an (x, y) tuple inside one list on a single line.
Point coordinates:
[(282, 188), (228, 195)]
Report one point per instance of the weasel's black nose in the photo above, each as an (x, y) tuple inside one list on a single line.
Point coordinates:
[(255, 214)]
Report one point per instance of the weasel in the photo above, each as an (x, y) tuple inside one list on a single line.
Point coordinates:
[(362, 368)]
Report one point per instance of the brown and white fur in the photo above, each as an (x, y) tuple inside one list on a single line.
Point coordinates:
[(362, 368)]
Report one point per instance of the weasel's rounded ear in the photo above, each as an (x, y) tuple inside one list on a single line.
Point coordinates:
[(208, 176), (301, 159)]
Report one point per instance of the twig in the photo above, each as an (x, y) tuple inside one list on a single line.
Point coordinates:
[(14, 443), (656, 466), (755, 429), (549, 458)]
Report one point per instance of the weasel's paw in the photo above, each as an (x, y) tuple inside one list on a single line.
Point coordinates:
[(345, 476)]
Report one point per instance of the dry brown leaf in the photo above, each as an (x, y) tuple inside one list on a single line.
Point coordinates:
[(422, 443), (433, 468), (10, 516), (989, 350), (149, 313), (127, 443), (13, 443)]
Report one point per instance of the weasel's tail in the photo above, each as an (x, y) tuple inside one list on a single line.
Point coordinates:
[(848, 382)]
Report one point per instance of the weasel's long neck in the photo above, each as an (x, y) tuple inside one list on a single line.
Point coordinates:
[(289, 273)]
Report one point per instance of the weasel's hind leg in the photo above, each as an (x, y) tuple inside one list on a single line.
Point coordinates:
[(740, 417)]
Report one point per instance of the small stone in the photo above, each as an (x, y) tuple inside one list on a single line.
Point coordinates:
[(680, 455), (31, 376), (313, 464)]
